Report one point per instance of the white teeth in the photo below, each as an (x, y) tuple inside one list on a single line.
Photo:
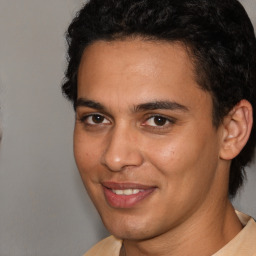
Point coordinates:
[(126, 192)]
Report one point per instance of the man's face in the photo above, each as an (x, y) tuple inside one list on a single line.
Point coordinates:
[(144, 141)]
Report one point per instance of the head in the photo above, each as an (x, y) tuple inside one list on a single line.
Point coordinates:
[(218, 36)]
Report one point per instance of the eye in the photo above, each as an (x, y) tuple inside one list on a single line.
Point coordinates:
[(95, 119), (157, 121)]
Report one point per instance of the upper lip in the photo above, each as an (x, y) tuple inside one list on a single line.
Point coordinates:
[(125, 185)]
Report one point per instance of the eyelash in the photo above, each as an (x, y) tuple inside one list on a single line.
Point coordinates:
[(84, 119), (167, 121)]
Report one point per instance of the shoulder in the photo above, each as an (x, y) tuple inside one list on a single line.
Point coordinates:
[(244, 243), (109, 246)]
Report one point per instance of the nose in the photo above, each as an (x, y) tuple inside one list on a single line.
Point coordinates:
[(122, 150)]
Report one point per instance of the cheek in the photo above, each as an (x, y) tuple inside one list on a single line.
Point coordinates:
[(186, 177), (87, 161), (86, 154), (185, 161)]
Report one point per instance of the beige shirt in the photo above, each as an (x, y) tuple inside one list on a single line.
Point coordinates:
[(243, 244)]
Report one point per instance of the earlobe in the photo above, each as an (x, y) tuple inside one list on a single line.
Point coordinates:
[(237, 127)]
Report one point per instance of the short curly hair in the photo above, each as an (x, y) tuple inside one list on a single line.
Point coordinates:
[(218, 34)]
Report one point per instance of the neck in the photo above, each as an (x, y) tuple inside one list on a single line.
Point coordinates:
[(209, 231)]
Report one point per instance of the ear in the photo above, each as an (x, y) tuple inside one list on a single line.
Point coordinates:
[(237, 127)]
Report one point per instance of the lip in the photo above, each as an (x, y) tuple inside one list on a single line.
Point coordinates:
[(125, 201)]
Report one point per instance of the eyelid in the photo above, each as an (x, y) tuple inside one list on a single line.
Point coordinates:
[(85, 117), (169, 120)]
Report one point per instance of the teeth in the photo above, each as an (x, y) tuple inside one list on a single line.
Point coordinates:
[(126, 192)]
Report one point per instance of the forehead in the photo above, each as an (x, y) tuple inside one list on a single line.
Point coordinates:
[(136, 71), (142, 55)]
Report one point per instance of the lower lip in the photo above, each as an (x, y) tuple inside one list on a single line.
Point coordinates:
[(125, 201)]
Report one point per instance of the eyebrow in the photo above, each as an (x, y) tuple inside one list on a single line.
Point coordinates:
[(81, 102), (166, 104)]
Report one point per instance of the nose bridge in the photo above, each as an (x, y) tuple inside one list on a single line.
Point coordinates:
[(122, 149)]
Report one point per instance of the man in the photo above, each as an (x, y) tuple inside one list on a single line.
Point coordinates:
[(164, 93)]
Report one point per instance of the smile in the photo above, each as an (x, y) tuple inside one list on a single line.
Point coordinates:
[(126, 195), (127, 192)]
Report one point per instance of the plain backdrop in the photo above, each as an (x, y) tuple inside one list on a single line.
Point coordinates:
[(44, 209)]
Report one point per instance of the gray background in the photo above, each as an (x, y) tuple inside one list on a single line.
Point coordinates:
[(44, 209)]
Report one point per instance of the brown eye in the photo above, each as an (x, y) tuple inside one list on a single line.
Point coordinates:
[(97, 119), (159, 120)]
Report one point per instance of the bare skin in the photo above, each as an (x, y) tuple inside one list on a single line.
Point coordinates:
[(151, 160)]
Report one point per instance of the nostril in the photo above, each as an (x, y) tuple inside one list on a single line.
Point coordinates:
[(121, 159), (121, 152)]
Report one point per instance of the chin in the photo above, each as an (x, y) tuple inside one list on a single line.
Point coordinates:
[(128, 228)]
